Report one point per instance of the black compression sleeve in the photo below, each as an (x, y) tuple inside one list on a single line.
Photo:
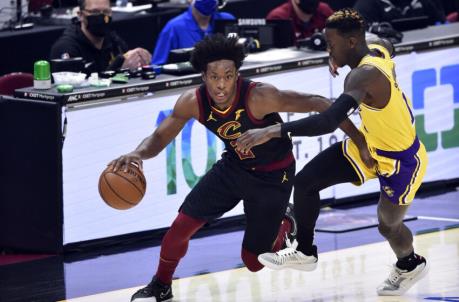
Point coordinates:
[(324, 122)]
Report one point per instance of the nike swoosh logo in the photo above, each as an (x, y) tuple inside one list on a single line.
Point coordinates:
[(162, 295), (387, 9)]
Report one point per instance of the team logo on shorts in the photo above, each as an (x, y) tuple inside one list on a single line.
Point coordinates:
[(388, 191), (285, 178)]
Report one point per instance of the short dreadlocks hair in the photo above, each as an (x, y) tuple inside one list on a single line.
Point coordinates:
[(346, 21), (216, 47)]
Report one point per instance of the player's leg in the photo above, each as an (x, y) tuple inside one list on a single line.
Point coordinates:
[(391, 227), (173, 247), (328, 168), (210, 198), (266, 197), (287, 230), (398, 191), (410, 267)]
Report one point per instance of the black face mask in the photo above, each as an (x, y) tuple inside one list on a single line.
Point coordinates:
[(309, 6), (99, 25)]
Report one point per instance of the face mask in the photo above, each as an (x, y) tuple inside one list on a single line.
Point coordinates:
[(99, 25), (206, 7), (309, 6)]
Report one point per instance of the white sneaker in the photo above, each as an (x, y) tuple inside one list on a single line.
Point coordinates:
[(289, 258), (399, 281)]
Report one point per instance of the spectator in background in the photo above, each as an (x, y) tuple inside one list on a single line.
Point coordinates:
[(188, 28), (92, 39), (453, 17), (451, 8), (388, 10), (308, 16)]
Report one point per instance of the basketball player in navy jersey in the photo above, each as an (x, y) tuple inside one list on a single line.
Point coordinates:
[(228, 106)]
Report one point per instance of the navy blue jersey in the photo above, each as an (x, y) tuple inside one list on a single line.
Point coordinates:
[(230, 124)]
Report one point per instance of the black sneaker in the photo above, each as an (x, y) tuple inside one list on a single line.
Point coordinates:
[(290, 215), (155, 291)]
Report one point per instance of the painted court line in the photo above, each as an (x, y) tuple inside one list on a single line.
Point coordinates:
[(350, 274), (438, 218)]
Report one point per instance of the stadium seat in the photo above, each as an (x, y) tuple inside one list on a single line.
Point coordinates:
[(12, 81)]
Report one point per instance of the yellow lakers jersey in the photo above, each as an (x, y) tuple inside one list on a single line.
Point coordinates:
[(392, 127)]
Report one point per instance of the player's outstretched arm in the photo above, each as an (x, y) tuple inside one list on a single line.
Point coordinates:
[(185, 109), (355, 90), (267, 99), (356, 87), (314, 125)]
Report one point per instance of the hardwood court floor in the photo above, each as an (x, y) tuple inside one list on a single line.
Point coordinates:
[(344, 275)]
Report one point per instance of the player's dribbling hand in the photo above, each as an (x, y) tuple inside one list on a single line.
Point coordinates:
[(125, 160), (332, 67)]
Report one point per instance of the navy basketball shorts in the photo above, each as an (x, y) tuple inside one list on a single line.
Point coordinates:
[(265, 196)]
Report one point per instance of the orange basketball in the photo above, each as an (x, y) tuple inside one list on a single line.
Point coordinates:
[(122, 190)]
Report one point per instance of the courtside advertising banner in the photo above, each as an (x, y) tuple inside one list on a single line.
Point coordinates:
[(97, 135)]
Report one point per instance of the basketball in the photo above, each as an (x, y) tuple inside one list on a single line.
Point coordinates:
[(122, 190)]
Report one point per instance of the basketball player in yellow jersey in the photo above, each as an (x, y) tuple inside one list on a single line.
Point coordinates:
[(388, 125)]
